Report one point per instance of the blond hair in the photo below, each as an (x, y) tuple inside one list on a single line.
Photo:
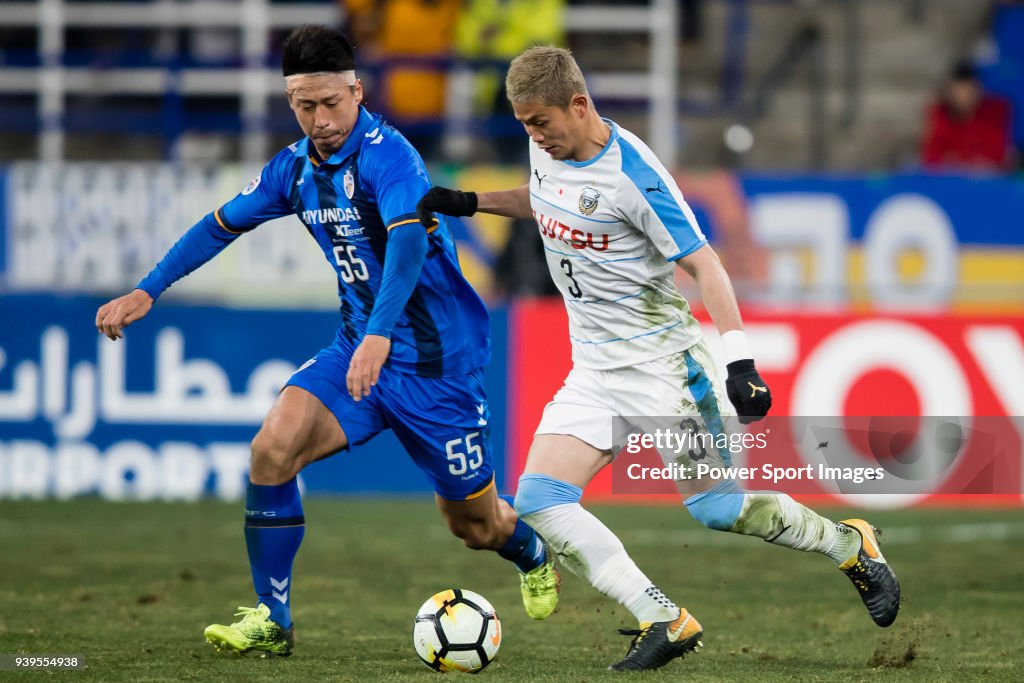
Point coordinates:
[(545, 74)]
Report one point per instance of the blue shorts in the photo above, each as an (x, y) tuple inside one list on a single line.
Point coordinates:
[(442, 423)]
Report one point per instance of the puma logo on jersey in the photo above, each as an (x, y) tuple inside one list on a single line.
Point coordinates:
[(540, 178), (656, 188)]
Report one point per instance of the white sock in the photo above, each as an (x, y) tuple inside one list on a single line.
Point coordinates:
[(779, 519), (592, 552)]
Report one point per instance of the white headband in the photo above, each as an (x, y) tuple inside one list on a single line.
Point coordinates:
[(349, 76)]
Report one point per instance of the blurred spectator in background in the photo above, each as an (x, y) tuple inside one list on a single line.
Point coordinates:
[(966, 127), (410, 44), (495, 31)]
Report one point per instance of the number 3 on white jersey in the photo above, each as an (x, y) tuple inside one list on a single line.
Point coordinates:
[(458, 462), (352, 267)]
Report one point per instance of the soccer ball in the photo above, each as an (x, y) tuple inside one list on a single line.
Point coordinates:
[(457, 630)]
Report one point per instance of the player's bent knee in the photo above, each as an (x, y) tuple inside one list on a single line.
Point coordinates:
[(717, 508), (539, 492), (272, 462)]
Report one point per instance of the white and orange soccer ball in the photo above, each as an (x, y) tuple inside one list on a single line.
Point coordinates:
[(457, 630)]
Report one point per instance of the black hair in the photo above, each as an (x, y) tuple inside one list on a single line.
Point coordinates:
[(963, 70), (313, 48)]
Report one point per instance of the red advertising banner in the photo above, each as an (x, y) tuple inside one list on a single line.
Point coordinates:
[(873, 371)]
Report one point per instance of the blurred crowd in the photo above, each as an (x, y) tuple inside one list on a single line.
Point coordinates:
[(418, 51), (435, 69)]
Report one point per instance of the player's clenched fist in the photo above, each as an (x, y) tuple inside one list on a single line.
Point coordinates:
[(445, 201), (747, 391), (117, 314)]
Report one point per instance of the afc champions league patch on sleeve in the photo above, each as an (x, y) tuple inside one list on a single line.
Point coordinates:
[(253, 184), (588, 200), (350, 183)]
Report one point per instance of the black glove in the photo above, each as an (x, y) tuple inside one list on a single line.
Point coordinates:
[(448, 202), (747, 391)]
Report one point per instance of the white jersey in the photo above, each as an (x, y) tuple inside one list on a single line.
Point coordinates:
[(612, 228)]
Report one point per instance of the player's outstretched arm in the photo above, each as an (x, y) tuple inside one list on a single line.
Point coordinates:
[(116, 314), (748, 393), (514, 203)]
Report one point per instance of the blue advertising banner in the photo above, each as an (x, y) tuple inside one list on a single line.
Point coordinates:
[(878, 240), (983, 210), (168, 411)]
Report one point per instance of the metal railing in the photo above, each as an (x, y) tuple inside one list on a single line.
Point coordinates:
[(254, 83)]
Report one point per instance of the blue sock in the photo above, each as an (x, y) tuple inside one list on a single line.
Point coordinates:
[(524, 548), (274, 525)]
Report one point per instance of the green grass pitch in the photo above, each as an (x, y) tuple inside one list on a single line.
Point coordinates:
[(131, 587)]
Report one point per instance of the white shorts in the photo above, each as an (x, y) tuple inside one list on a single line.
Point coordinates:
[(684, 384)]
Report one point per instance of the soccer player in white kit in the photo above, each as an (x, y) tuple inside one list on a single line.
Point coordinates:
[(614, 223)]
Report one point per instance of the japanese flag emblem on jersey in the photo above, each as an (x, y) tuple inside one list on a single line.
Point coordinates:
[(350, 183), (588, 200)]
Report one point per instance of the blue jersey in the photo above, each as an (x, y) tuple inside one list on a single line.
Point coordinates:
[(354, 204)]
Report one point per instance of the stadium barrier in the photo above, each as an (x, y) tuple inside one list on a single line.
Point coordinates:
[(167, 413), (901, 242), (821, 366)]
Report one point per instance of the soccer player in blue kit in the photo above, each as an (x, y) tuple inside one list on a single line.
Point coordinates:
[(408, 354)]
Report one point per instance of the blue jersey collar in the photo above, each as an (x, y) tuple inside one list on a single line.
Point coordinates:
[(611, 138), (365, 122)]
